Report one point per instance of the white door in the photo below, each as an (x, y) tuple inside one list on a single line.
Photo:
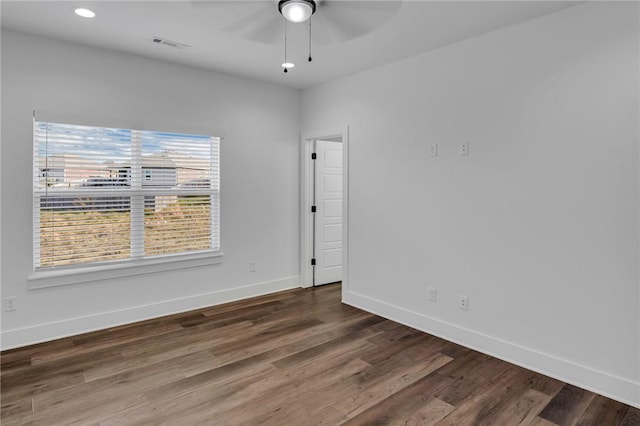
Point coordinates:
[(328, 216)]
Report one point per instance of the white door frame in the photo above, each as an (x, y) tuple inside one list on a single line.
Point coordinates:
[(306, 194)]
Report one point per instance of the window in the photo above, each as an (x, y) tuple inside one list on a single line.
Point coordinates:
[(104, 195)]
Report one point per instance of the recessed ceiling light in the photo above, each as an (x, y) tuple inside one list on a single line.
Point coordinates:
[(85, 13)]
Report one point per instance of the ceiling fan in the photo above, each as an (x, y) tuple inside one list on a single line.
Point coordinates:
[(333, 21)]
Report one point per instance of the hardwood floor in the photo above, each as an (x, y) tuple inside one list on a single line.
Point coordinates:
[(298, 357)]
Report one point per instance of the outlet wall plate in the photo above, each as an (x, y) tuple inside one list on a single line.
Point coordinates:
[(463, 303), (10, 304)]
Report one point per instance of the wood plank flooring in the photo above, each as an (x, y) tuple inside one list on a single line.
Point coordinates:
[(298, 357)]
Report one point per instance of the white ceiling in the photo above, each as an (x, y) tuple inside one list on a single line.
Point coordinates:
[(246, 37)]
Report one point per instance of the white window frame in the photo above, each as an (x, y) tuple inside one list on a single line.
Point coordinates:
[(138, 263)]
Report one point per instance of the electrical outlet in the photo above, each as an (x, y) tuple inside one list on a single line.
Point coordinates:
[(10, 304), (463, 303), (252, 266), (433, 294), (464, 149), (433, 150)]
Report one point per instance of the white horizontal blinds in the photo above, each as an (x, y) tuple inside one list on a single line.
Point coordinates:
[(177, 224), (180, 221), (215, 193), (70, 235), (77, 223), (103, 194)]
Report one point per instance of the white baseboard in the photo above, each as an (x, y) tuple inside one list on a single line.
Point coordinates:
[(614, 387), (70, 327)]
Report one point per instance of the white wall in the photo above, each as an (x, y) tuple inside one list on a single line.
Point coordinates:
[(260, 125), (538, 225)]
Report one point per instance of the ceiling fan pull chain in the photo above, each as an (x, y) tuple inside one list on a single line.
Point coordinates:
[(310, 40), (285, 46)]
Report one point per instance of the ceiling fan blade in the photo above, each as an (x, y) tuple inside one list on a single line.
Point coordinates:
[(218, 3), (320, 35), (346, 20), (269, 32), (381, 5), (253, 18), (341, 29)]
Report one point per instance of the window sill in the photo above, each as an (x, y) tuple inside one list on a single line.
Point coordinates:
[(60, 277)]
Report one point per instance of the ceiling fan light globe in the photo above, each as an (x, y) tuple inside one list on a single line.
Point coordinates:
[(297, 11)]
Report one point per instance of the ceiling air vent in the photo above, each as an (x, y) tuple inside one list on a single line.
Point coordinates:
[(169, 43)]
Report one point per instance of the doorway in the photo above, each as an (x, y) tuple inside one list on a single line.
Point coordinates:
[(324, 208), (327, 214)]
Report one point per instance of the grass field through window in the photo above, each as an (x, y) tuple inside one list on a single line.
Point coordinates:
[(82, 236)]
